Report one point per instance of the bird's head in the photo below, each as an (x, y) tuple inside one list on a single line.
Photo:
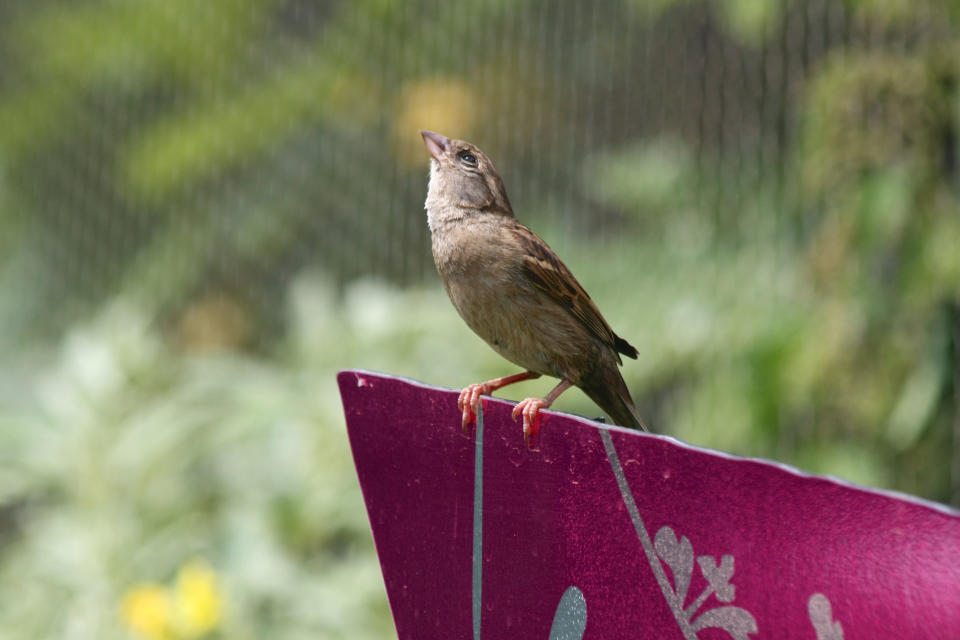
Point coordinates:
[(462, 176)]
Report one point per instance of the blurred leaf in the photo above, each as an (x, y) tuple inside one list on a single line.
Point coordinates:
[(644, 181), (109, 42), (750, 21), (854, 463), (214, 137), (886, 200), (867, 112), (918, 398)]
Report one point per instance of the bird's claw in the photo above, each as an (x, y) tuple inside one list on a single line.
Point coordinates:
[(530, 408), (468, 403)]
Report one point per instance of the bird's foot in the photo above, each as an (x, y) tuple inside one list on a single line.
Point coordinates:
[(530, 408), (469, 402)]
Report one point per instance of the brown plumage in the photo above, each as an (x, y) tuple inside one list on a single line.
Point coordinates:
[(515, 293)]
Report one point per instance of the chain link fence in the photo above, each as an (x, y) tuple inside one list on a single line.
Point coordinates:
[(176, 152)]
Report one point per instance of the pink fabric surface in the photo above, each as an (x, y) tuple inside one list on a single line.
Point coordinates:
[(716, 546)]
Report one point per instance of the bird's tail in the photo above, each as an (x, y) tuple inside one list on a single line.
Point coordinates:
[(610, 393)]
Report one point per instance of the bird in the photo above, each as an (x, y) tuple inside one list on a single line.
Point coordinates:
[(514, 292)]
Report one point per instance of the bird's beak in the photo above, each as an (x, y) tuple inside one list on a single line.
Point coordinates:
[(436, 143)]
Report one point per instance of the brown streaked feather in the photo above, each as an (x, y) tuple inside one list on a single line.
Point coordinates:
[(545, 270)]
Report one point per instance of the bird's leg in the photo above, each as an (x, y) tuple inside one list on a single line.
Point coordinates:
[(531, 411), (469, 401)]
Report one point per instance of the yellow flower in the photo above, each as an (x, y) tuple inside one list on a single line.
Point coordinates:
[(188, 610), (197, 600), (146, 609), (442, 104)]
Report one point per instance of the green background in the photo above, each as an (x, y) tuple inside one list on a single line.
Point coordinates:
[(207, 209)]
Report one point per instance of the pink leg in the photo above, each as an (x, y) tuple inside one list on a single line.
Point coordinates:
[(531, 411), (469, 401)]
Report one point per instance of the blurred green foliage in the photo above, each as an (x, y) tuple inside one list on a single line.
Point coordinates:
[(207, 209)]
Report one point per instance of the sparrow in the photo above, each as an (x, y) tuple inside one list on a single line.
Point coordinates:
[(514, 292)]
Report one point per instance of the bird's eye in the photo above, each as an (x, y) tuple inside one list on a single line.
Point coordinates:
[(468, 158)]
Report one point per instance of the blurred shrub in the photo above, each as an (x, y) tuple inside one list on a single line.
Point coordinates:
[(122, 460)]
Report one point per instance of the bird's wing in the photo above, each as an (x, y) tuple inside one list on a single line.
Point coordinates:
[(546, 271)]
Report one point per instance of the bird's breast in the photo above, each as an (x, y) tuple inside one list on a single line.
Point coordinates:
[(481, 272)]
